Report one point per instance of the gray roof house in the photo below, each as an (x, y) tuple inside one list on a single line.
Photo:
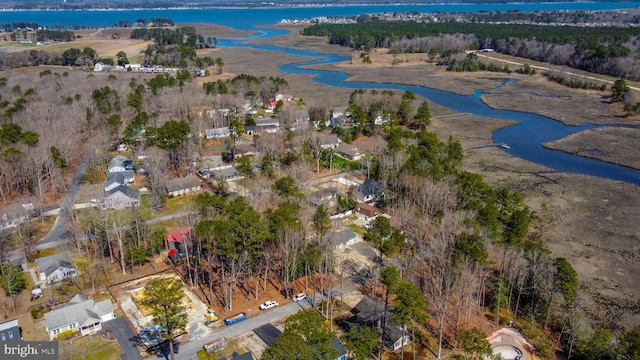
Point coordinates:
[(327, 196), (10, 331), (129, 176), (120, 197), (182, 186), (349, 152), (340, 239), (330, 141), (370, 312), (55, 268), (79, 314), (114, 179), (226, 173)]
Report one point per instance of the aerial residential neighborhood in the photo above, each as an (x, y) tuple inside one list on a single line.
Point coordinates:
[(243, 184)]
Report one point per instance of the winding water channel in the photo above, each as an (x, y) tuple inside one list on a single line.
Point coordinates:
[(525, 139)]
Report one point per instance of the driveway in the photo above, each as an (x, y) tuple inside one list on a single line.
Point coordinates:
[(128, 340)]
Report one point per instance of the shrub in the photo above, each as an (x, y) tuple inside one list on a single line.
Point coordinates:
[(66, 334)]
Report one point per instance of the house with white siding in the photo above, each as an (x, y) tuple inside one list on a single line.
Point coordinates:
[(55, 268), (80, 314), (182, 186)]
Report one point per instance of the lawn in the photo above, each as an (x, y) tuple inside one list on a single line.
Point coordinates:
[(357, 229), (177, 204), (90, 348)]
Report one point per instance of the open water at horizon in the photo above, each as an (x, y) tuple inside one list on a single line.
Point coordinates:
[(247, 18)]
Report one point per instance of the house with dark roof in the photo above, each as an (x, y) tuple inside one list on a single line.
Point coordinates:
[(79, 314), (128, 175), (182, 186), (340, 239), (10, 331), (120, 197), (369, 191), (370, 312), (114, 179), (55, 268)]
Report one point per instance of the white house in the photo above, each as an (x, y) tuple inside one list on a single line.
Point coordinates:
[(54, 268), (79, 314), (182, 186), (98, 67), (217, 133)]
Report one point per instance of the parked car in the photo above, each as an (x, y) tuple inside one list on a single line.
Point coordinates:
[(268, 305), (299, 297)]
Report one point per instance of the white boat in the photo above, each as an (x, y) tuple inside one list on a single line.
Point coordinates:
[(505, 146)]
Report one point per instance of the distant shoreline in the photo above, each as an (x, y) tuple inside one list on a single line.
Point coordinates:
[(314, 5)]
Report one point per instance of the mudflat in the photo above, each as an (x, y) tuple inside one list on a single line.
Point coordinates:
[(590, 221)]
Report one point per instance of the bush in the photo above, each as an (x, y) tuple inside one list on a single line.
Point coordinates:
[(38, 312), (66, 334)]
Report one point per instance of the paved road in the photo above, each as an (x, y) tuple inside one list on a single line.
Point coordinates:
[(59, 229), (188, 350), (126, 338)]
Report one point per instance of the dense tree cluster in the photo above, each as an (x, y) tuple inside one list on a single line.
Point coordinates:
[(54, 35), (602, 49)]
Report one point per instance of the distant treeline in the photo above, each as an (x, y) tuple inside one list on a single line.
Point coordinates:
[(380, 33), (54, 35), (600, 49), (20, 26), (154, 22), (163, 36)]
